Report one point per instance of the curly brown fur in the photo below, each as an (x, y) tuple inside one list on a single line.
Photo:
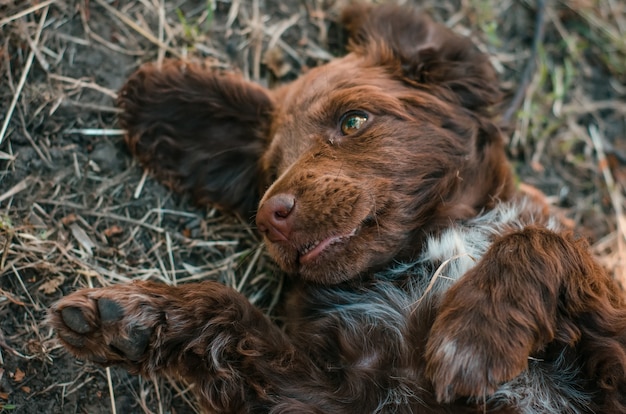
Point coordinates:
[(421, 281)]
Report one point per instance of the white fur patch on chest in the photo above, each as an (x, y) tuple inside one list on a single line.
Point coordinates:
[(458, 248)]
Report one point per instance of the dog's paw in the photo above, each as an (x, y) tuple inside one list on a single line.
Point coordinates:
[(472, 369), (470, 354), (107, 325)]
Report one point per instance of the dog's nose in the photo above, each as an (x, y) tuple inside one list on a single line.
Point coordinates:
[(275, 218)]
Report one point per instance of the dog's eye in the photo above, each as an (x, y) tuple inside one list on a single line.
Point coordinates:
[(352, 121)]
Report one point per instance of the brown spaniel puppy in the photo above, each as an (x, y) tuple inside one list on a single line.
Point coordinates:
[(422, 283)]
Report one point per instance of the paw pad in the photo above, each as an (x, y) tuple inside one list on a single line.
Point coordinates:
[(110, 311), (75, 320), (135, 345), (102, 329)]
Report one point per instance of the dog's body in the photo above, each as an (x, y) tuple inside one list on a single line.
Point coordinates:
[(422, 282)]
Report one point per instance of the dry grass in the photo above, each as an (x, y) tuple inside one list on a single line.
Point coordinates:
[(76, 211)]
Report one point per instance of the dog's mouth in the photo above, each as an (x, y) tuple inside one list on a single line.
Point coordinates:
[(328, 254), (312, 250)]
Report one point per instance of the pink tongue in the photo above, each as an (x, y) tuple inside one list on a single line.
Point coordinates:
[(318, 249)]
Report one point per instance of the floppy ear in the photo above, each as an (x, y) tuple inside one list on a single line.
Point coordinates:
[(424, 53), (199, 131)]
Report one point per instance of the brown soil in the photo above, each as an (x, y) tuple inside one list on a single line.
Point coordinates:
[(76, 211)]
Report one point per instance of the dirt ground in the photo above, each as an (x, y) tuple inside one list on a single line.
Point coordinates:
[(76, 211)]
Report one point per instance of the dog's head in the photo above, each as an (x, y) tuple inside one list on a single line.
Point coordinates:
[(356, 161)]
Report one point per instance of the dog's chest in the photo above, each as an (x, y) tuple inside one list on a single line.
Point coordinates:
[(449, 255), (361, 328)]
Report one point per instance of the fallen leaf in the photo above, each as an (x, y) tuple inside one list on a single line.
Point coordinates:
[(19, 375), (83, 239), (69, 219), (50, 286), (113, 231)]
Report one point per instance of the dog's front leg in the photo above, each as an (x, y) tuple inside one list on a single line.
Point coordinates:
[(205, 333), (531, 288)]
